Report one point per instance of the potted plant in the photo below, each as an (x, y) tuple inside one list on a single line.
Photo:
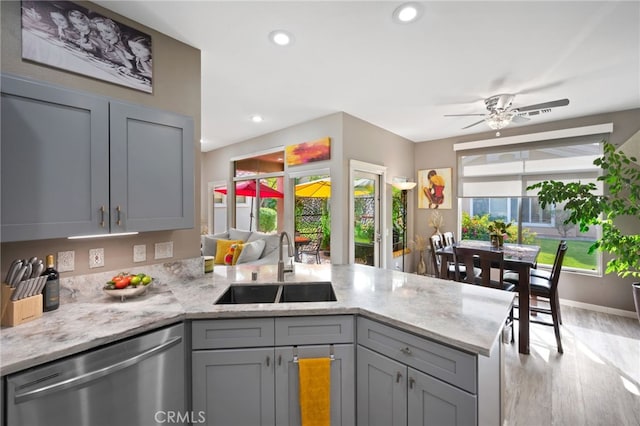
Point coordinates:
[(497, 231), (622, 178)]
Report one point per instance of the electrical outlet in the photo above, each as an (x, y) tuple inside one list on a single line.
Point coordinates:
[(164, 250), (140, 253), (66, 261), (96, 258)]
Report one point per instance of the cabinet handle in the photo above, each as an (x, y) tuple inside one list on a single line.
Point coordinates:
[(411, 382), (398, 377), (279, 360), (268, 360), (406, 351), (118, 221), (102, 216)]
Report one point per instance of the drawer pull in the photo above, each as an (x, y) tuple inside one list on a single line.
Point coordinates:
[(398, 377), (279, 360), (406, 351), (268, 360), (102, 216), (118, 210), (411, 382)]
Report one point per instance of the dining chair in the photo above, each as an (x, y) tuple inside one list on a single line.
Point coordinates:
[(437, 243), (481, 262), (547, 288), (312, 248), (512, 276), (449, 238)]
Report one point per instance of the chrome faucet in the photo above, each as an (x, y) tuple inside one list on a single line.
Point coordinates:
[(280, 261)]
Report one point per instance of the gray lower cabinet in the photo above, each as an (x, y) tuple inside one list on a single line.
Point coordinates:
[(237, 384), (403, 379), (74, 163)]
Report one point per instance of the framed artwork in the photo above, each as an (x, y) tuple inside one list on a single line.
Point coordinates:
[(64, 35), (434, 188), (308, 152)]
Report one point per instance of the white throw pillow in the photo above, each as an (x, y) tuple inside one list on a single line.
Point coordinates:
[(272, 241), (251, 251), (238, 234), (209, 245)]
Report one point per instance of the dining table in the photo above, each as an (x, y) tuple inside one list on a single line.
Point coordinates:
[(519, 258)]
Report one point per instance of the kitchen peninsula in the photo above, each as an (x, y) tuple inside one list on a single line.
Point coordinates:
[(445, 315)]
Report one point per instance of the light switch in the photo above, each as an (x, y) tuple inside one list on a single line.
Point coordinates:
[(164, 250)]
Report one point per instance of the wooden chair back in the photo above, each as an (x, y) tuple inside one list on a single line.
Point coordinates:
[(482, 261), (437, 243)]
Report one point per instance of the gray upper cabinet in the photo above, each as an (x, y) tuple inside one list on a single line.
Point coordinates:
[(55, 169), (152, 169), (78, 164)]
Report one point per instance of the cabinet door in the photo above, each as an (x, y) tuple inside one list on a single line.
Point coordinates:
[(152, 169), (234, 387), (433, 402), (55, 168), (381, 390), (342, 384)]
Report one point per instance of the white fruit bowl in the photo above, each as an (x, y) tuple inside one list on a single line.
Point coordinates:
[(127, 292)]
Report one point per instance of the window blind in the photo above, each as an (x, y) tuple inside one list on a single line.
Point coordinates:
[(508, 170)]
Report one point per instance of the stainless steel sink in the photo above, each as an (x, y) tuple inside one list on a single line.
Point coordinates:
[(244, 293), (249, 293), (308, 292)]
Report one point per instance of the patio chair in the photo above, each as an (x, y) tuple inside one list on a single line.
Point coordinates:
[(312, 247)]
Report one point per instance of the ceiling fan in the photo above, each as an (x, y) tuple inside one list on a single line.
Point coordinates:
[(501, 114)]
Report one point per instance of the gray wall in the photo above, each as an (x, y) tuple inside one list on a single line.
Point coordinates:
[(608, 290), (351, 138), (176, 81)]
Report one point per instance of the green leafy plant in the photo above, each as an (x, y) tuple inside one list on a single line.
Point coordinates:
[(622, 178), (498, 227), (268, 219)]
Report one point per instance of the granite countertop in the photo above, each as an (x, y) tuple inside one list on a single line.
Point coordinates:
[(464, 316)]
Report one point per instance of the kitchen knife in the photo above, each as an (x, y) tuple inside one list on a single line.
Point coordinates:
[(42, 281), (17, 277), (13, 271), (18, 293), (27, 272), (38, 268), (31, 287)]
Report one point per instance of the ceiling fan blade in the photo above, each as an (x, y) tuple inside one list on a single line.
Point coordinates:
[(471, 125), (464, 115), (544, 105)]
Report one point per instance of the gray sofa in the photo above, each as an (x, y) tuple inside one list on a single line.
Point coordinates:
[(268, 255)]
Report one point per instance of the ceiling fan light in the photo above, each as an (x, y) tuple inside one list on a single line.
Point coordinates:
[(499, 120), (407, 12)]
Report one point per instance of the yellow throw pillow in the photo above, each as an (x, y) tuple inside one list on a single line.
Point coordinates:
[(222, 248)]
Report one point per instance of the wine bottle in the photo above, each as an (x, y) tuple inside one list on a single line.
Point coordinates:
[(51, 292)]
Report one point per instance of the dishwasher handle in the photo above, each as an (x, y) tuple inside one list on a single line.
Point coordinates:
[(96, 374)]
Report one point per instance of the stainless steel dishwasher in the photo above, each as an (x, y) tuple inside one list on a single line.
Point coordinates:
[(139, 381)]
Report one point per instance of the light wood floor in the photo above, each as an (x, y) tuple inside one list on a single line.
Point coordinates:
[(595, 382)]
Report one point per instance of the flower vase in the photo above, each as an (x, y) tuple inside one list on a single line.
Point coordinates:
[(497, 241), (422, 267)]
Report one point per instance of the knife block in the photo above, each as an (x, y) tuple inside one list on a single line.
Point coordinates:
[(19, 311)]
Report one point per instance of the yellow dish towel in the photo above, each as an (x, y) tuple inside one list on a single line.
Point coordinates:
[(315, 384)]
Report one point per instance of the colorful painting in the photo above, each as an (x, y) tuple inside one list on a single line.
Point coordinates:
[(308, 152), (65, 35), (434, 188)]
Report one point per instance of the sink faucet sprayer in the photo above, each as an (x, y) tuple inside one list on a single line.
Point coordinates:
[(280, 261)]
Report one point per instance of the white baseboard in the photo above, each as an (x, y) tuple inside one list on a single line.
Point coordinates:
[(598, 308)]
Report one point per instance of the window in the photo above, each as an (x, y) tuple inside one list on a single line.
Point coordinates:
[(492, 185)]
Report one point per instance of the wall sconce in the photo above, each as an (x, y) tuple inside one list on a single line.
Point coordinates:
[(404, 187)]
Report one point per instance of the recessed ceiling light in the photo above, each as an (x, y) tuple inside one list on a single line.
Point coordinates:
[(281, 37), (407, 12), (256, 118)]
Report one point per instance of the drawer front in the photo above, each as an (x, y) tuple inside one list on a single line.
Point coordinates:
[(314, 330), (450, 365), (232, 333)]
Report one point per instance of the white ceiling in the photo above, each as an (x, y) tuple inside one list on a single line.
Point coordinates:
[(352, 57)]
